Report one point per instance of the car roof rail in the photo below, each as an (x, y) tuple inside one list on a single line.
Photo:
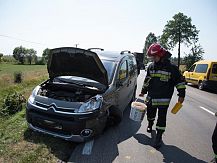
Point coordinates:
[(95, 49), (125, 51)]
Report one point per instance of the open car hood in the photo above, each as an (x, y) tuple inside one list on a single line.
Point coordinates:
[(69, 61)]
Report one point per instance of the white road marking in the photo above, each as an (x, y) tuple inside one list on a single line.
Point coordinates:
[(88, 148), (128, 157), (207, 110)]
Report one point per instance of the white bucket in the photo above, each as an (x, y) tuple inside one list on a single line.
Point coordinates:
[(137, 111)]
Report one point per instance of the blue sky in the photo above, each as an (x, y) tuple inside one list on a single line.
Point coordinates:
[(109, 24)]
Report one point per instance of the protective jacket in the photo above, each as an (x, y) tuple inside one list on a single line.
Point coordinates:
[(160, 81)]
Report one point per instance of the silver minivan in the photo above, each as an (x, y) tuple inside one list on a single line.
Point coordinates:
[(86, 90)]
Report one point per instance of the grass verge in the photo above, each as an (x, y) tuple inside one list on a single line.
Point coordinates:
[(20, 144), (17, 142)]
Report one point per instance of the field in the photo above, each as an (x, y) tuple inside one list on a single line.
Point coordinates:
[(17, 142)]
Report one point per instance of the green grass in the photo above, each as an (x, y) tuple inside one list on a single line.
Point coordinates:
[(29, 72), (17, 142), (24, 88), (11, 68)]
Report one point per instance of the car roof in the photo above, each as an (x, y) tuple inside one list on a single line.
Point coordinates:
[(112, 55)]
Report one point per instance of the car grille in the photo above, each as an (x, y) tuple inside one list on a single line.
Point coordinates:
[(55, 108)]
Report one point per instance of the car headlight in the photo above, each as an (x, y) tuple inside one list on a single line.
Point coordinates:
[(91, 105), (34, 93)]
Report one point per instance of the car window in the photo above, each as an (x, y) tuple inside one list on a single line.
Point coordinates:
[(131, 65), (134, 60), (201, 68), (110, 67), (214, 68), (123, 71), (191, 69)]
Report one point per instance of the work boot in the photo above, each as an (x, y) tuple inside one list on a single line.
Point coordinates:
[(158, 140), (149, 128)]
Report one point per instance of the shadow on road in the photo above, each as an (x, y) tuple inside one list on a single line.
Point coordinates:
[(170, 153), (105, 147)]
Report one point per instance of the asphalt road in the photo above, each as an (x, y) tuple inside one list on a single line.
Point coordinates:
[(187, 137)]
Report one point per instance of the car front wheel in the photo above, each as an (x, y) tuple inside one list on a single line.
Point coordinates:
[(115, 116), (201, 85)]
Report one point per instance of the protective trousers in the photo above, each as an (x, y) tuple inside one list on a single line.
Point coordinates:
[(162, 114)]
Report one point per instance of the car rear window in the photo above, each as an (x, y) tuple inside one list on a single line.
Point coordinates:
[(201, 68), (214, 68), (132, 64)]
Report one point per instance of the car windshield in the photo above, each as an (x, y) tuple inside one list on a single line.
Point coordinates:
[(110, 67)]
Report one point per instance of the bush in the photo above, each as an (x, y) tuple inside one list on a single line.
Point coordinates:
[(12, 104), (8, 59), (1, 55), (18, 77)]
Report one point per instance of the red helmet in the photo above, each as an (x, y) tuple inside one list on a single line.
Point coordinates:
[(156, 50)]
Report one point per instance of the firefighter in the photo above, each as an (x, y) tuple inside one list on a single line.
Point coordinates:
[(161, 78)]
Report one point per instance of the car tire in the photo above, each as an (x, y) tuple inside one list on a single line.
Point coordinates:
[(103, 122), (201, 85), (115, 116)]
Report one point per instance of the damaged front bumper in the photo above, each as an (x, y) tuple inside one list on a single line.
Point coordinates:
[(72, 127)]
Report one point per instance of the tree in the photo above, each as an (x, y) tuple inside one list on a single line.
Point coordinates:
[(19, 53), (36, 59), (31, 54), (174, 60), (196, 54), (150, 39), (45, 54), (179, 30), (1, 55)]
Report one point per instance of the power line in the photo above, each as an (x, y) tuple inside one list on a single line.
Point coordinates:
[(14, 38)]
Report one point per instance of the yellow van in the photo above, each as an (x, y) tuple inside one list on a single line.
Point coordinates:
[(203, 73)]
